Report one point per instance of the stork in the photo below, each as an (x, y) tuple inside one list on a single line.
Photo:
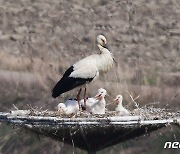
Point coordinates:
[(69, 107), (85, 71), (99, 106), (96, 105), (120, 109)]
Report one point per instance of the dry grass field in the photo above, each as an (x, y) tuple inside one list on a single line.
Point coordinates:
[(40, 39)]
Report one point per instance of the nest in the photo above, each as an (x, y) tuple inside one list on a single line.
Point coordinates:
[(92, 132), (152, 113), (145, 113)]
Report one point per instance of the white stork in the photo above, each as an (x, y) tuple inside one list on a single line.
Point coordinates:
[(96, 105), (85, 71), (99, 106), (120, 109), (69, 107)]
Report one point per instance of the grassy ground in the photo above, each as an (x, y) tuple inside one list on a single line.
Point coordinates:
[(40, 39)]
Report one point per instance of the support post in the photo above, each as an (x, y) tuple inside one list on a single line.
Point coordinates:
[(91, 152)]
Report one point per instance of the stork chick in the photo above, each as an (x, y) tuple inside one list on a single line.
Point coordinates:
[(99, 106), (69, 107), (120, 109), (93, 101)]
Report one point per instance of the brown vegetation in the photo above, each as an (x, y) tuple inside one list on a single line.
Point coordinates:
[(40, 39)]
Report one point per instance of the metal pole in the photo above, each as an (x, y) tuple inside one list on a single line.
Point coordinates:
[(91, 152)]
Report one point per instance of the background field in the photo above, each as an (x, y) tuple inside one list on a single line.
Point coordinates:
[(40, 39)]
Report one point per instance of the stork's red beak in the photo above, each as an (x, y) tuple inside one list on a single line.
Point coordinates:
[(116, 100), (98, 96)]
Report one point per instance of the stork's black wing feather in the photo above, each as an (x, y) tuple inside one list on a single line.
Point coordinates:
[(67, 83), (68, 71)]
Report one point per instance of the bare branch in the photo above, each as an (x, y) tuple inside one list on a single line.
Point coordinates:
[(133, 100)]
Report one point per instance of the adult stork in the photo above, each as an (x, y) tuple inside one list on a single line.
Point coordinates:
[(85, 71)]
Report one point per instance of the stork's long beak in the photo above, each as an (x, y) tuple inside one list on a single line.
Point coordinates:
[(116, 64), (105, 46), (98, 96), (115, 100)]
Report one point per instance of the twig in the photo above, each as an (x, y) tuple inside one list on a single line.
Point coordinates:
[(168, 104), (15, 107), (133, 100), (152, 103)]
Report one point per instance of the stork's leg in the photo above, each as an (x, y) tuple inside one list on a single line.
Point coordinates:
[(85, 98), (78, 98)]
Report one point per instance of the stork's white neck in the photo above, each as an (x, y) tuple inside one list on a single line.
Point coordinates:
[(102, 102), (103, 50), (120, 104), (105, 61)]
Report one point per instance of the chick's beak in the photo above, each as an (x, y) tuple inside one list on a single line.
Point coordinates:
[(116, 100), (98, 96)]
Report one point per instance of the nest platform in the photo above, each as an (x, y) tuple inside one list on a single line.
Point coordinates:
[(90, 132)]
